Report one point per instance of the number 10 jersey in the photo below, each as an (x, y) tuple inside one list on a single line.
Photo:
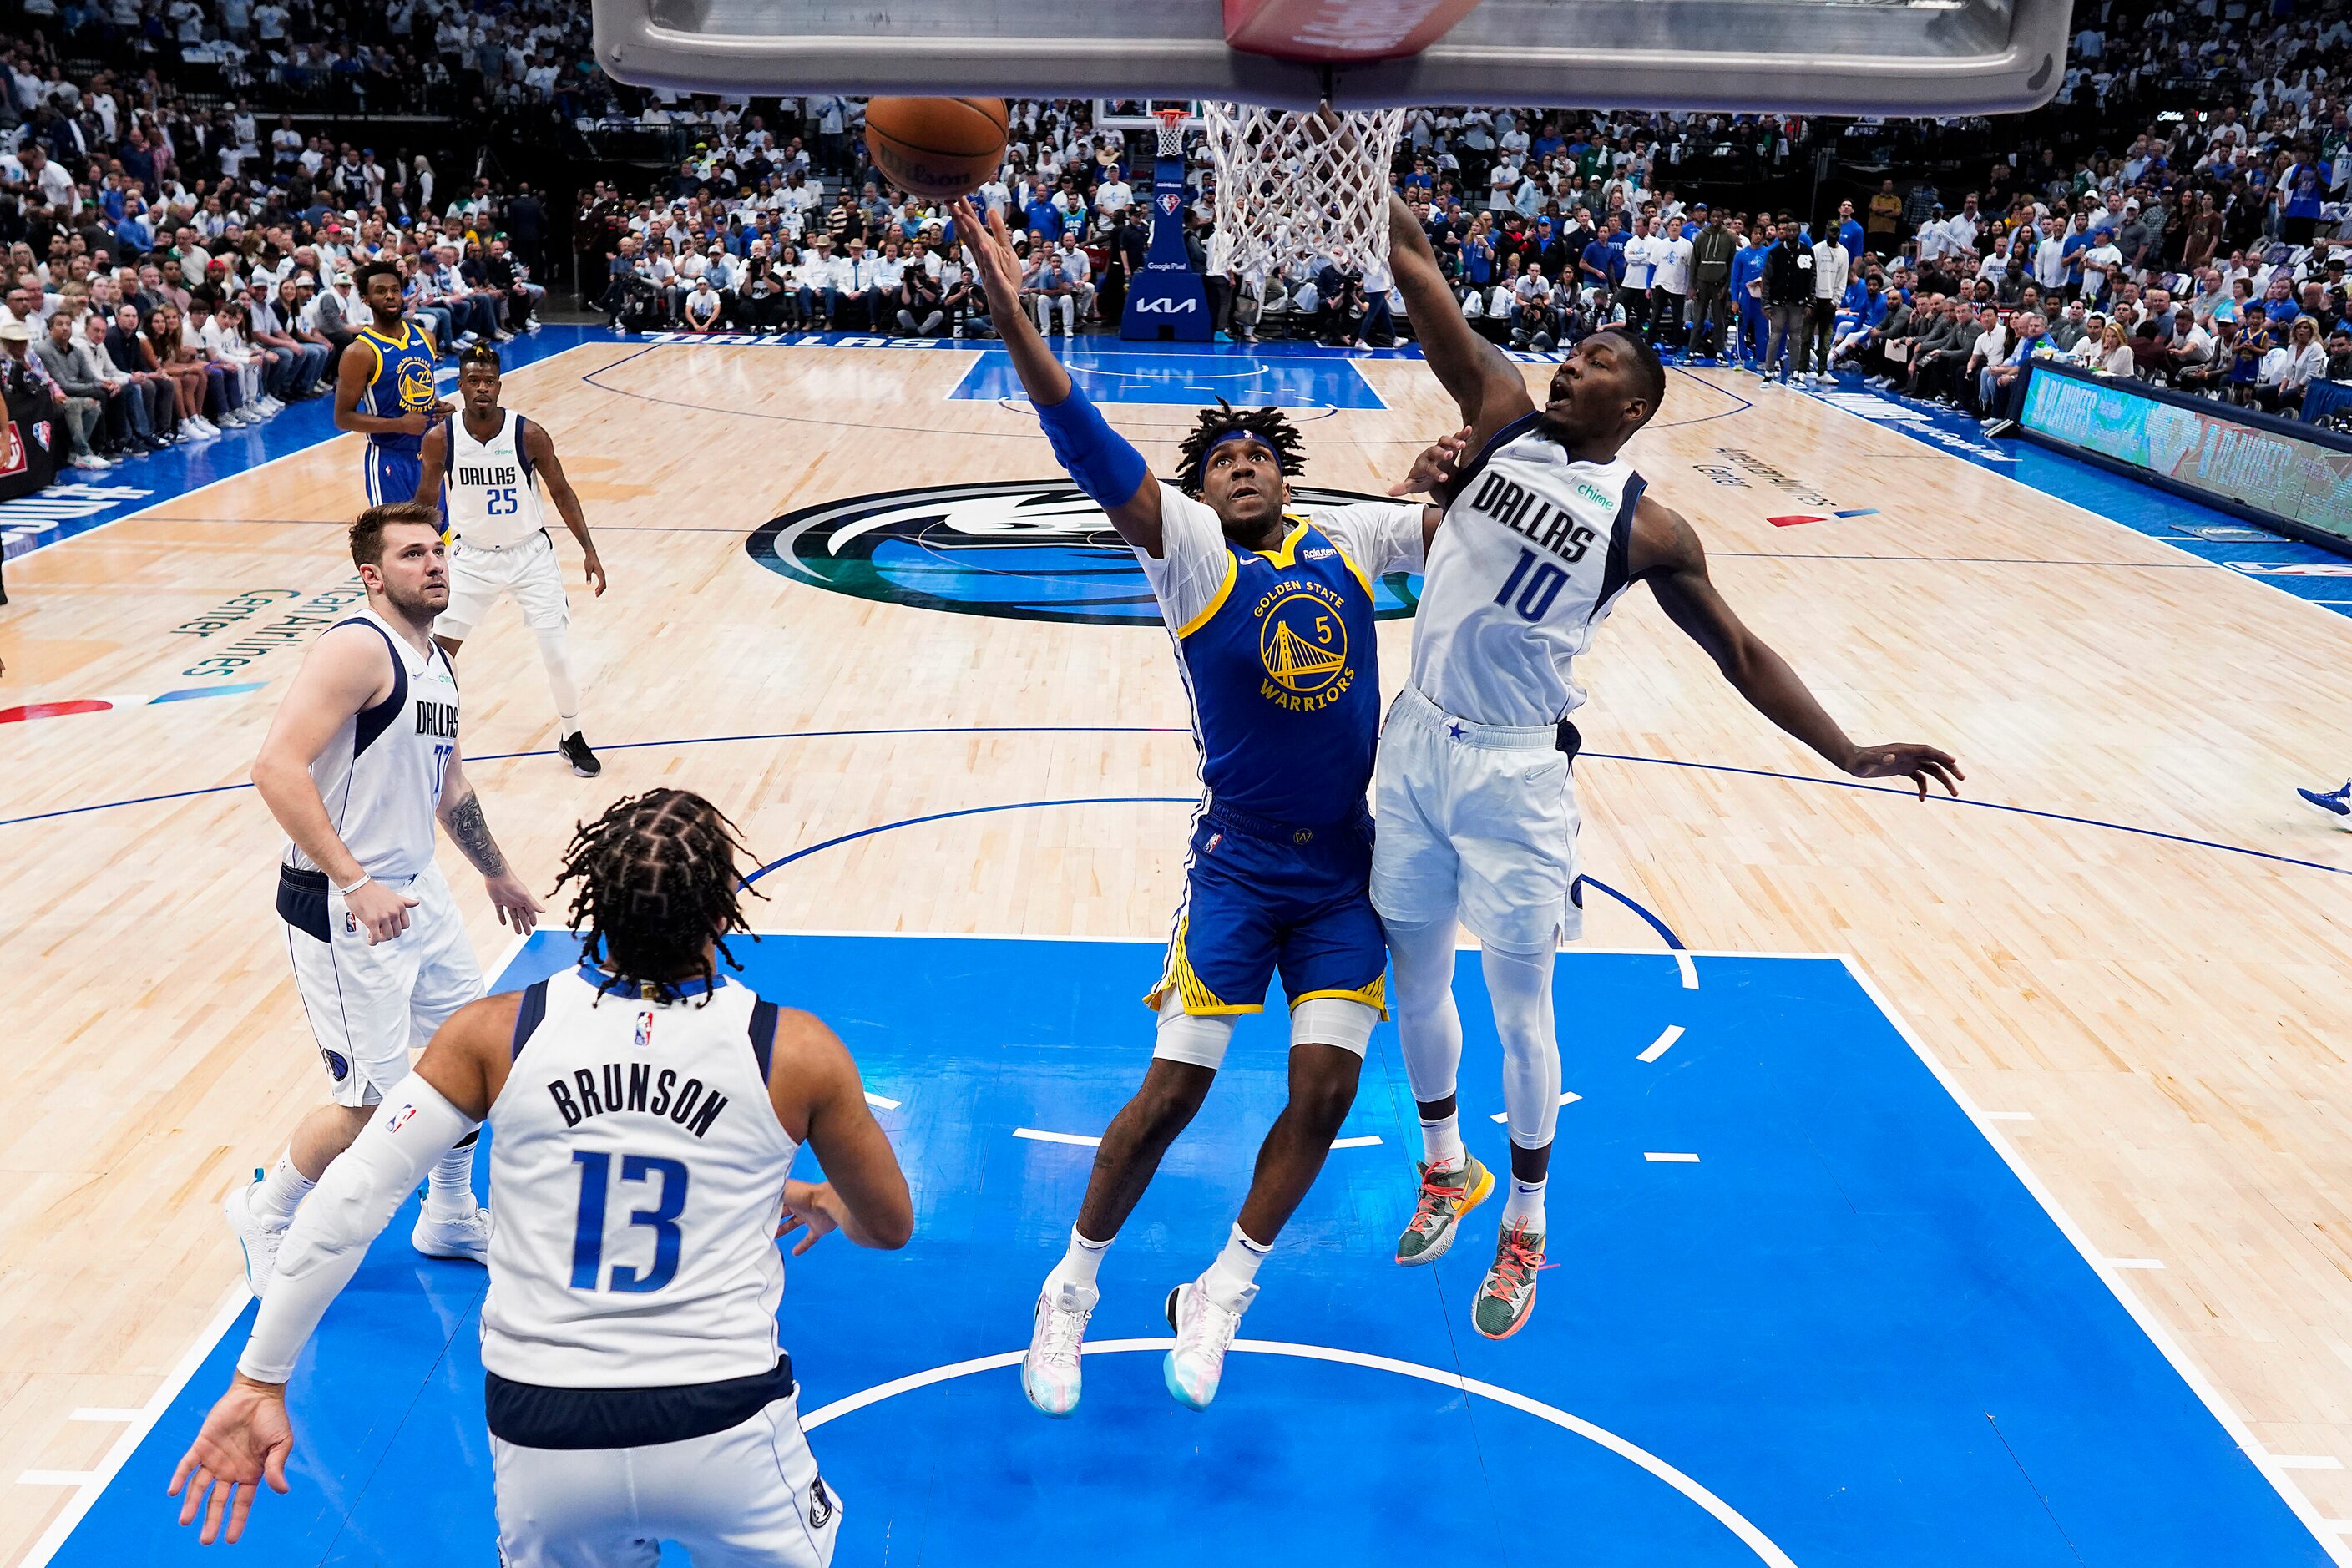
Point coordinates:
[(1531, 557), (636, 1172)]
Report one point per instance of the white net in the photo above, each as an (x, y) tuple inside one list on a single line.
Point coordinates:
[(1296, 188)]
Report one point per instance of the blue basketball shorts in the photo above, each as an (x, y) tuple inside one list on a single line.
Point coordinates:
[(1260, 897), (391, 475)]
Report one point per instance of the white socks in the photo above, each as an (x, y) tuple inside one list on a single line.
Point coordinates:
[(1526, 1203), (1078, 1267), (283, 1190), (1441, 1144), (449, 1190), (1232, 1279)]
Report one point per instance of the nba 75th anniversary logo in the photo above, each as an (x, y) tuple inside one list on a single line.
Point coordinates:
[(1033, 550)]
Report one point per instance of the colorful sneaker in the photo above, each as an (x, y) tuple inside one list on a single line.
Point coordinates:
[(465, 1238), (258, 1234), (1445, 1197), (2335, 803), (1205, 1331), (1049, 1373), (1508, 1297)]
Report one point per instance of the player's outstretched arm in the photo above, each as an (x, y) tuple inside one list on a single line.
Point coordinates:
[(1484, 385), (814, 1086), (1105, 464), (462, 819), (347, 670), (1666, 553), (246, 1437), (540, 446)]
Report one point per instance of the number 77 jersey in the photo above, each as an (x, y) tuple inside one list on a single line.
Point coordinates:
[(1531, 557), (637, 1170)]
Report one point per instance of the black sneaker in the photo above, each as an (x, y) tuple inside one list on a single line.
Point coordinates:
[(584, 762)]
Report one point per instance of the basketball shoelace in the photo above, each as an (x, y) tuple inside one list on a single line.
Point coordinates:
[(1063, 1330), (1517, 1258), (1439, 1202), (1210, 1333)]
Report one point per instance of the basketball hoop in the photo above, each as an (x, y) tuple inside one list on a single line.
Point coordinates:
[(1296, 188), (1171, 130)]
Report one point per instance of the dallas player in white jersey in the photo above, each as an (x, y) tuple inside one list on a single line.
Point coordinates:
[(1546, 524), (645, 1112), (360, 760), (483, 463)]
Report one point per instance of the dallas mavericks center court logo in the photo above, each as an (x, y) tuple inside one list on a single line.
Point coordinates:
[(1033, 550)]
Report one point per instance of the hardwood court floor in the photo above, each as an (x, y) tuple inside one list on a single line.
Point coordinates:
[(2171, 1015)]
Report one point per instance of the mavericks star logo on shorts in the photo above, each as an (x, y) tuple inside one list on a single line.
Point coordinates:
[(1031, 550)]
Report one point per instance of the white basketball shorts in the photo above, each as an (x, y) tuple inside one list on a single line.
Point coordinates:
[(1476, 821), (745, 1498), (368, 1005), (527, 573)]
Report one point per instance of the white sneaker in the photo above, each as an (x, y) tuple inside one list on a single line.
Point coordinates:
[(90, 460), (467, 1236), (259, 1234), (1205, 1331), (198, 425), (270, 405), (1049, 1373)]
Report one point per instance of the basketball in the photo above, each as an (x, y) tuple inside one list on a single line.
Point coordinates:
[(938, 147)]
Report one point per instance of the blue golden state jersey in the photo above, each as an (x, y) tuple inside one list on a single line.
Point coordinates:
[(1278, 654), (402, 382)]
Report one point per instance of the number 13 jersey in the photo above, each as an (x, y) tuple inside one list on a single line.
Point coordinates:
[(637, 1170), (1531, 557)]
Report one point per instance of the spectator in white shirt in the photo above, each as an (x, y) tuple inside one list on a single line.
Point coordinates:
[(1833, 264), (2287, 371), (1670, 286)]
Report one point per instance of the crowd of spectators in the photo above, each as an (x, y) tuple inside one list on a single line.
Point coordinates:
[(179, 262)]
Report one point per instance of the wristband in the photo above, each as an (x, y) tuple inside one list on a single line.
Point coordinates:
[(355, 886)]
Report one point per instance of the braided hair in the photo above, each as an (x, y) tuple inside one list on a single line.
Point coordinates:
[(1270, 425), (657, 882)]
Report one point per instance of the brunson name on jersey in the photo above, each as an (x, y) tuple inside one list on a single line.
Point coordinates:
[(636, 1087)]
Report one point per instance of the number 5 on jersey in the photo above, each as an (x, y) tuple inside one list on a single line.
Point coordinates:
[(588, 1234)]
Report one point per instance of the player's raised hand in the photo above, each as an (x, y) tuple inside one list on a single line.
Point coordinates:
[(1435, 466), (813, 1206), (513, 901), (991, 251), (244, 1442), (1907, 760)]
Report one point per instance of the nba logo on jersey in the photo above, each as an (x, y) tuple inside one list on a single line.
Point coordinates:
[(645, 1029)]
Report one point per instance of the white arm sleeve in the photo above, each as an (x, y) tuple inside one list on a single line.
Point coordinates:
[(350, 1206), (1192, 561), (1380, 537)]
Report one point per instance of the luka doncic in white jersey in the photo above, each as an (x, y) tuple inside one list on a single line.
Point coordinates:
[(638, 1167), (1530, 559), (380, 775), (492, 499)]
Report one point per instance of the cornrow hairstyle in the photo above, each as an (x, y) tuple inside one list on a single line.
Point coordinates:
[(1270, 425), (657, 880)]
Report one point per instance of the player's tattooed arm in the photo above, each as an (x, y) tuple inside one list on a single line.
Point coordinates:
[(463, 820), (1665, 553), (469, 830)]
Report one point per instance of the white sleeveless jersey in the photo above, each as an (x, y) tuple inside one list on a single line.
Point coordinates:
[(1531, 556), (637, 1170), (379, 777), (493, 501)]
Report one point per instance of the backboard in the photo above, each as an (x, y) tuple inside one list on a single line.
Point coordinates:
[(1894, 56)]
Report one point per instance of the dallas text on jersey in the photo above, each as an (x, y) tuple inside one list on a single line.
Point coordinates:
[(488, 474), (436, 719), (1531, 516)]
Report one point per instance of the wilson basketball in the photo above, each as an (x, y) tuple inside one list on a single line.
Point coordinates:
[(935, 146)]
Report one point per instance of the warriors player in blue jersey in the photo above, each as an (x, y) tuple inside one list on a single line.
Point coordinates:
[(1272, 618), (384, 388)]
